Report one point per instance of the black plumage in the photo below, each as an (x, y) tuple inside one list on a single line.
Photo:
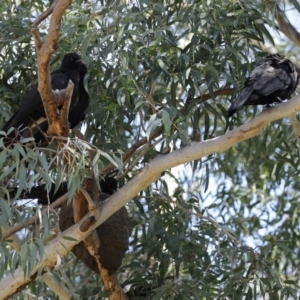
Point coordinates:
[(30, 120), (107, 185), (273, 80), (77, 111), (113, 233)]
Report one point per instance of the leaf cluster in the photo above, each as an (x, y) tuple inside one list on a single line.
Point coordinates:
[(168, 69)]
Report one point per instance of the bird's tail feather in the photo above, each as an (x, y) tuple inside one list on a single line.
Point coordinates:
[(40, 193), (240, 100)]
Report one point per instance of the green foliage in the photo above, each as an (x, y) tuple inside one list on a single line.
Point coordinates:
[(230, 229)]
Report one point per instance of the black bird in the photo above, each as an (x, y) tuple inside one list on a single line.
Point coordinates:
[(113, 233), (108, 186), (30, 120), (273, 80)]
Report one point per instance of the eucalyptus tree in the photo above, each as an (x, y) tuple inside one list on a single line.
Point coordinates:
[(161, 76)]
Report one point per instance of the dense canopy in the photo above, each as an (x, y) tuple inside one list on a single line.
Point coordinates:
[(161, 77)]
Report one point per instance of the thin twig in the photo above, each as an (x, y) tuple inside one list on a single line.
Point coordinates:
[(33, 220), (57, 125), (200, 216), (45, 14), (57, 287), (140, 154), (159, 130)]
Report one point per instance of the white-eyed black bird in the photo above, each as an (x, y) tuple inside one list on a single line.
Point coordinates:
[(273, 80), (30, 120)]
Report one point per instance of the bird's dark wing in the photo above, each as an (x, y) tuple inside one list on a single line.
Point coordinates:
[(59, 80), (251, 84), (77, 110), (31, 103), (113, 233), (272, 80), (40, 193), (31, 112), (241, 99), (30, 119), (108, 186)]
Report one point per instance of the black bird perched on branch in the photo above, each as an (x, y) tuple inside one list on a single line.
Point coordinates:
[(108, 186), (30, 120), (113, 233), (273, 80)]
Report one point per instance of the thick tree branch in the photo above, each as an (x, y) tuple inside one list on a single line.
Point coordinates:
[(150, 173), (33, 220), (295, 124), (51, 281), (15, 242), (58, 124), (57, 287), (287, 28), (92, 242), (111, 283)]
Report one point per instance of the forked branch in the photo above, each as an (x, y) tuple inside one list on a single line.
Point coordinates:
[(150, 173), (58, 124)]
